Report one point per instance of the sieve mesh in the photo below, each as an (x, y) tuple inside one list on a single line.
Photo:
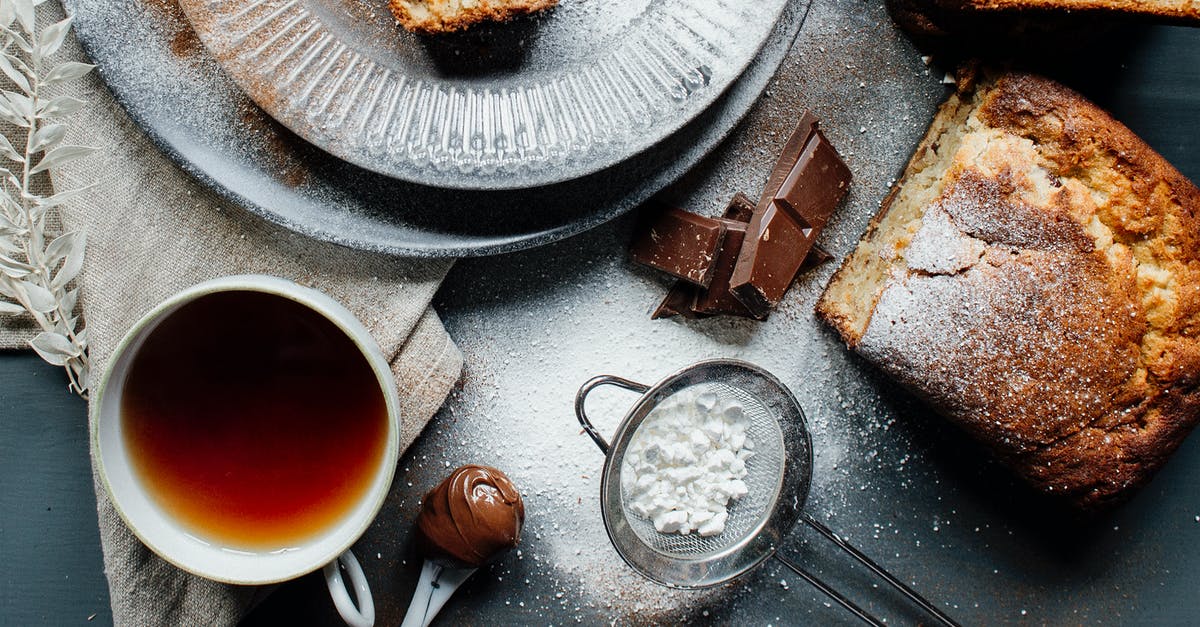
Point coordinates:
[(764, 471)]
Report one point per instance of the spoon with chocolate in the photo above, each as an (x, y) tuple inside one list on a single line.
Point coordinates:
[(469, 519)]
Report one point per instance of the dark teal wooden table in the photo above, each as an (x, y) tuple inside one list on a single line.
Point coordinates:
[(49, 546)]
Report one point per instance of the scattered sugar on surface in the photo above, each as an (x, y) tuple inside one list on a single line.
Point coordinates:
[(535, 326), (581, 310)]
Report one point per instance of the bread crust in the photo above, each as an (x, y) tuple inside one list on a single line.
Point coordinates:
[(1065, 336), (445, 16), (933, 20)]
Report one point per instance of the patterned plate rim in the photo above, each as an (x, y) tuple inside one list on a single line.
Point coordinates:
[(417, 130)]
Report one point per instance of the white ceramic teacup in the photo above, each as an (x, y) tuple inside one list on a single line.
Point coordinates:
[(164, 535)]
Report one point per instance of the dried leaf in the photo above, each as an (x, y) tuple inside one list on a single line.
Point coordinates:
[(41, 299), (9, 113), (55, 342), (47, 137), (37, 236), (67, 71), (19, 39), (53, 347), (73, 264), (7, 14), (59, 107), (51, 39), (9, 232), (82, 374), (69, 300), (60, 247), (20, 103), (6, 66), (21, 65), (15, 273), (24, 11), (61, 155), (6, 149), (10, 308), (13, 268), (63, 196)]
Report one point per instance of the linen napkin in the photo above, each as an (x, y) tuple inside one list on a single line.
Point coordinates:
[(153, 230)]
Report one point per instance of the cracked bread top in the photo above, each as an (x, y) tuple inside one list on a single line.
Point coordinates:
[(1036, 277)]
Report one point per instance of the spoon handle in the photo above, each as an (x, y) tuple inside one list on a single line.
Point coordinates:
[(435, 587)]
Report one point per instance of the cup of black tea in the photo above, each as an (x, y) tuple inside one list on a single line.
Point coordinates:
[(247, 431)]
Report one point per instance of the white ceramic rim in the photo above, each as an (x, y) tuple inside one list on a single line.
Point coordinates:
[(162, 534)]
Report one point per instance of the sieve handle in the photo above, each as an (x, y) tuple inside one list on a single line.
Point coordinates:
[(879, 571), (592, 384)]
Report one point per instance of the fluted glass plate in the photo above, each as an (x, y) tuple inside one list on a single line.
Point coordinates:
[(533, 102)]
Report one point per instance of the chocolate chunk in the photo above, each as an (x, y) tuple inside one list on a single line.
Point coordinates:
[(680, 300), (788, 158), (816, 257), (797, 206), (718, 299), (740, 208), (681, 244), (816, 184)]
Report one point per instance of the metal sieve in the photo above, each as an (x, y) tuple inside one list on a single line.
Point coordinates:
[(778, 478)]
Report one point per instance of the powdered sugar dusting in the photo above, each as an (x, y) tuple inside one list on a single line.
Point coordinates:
[(1024, 346), (939, 247)]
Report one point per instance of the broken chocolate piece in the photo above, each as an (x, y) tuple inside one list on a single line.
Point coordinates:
[(815, 186), (788, 158), (681, 244), (677, 235), (680, 300), (692, 302), (784, 228), (740, 208), (816, 257), (717, 299), (686, 300)]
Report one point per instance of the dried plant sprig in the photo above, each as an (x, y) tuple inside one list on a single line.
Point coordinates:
[(37, 275)]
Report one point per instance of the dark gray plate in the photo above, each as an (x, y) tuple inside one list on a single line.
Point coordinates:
[(171, 86)]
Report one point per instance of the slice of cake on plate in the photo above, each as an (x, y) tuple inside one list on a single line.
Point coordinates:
[(444, 16)]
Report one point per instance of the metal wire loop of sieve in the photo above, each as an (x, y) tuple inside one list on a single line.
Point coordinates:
[(778, 479)]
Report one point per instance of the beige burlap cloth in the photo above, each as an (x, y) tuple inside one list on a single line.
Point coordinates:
[(152, 231)]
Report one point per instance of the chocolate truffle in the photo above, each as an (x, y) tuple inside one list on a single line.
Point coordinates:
[(471, 517)]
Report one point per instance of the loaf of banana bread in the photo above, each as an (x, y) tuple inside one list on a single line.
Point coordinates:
[(1035, 276)]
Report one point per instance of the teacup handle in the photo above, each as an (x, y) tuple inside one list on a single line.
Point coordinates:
[(581, 397), (364, 614)]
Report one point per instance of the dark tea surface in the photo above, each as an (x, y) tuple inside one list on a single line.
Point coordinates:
[(253, 420)]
